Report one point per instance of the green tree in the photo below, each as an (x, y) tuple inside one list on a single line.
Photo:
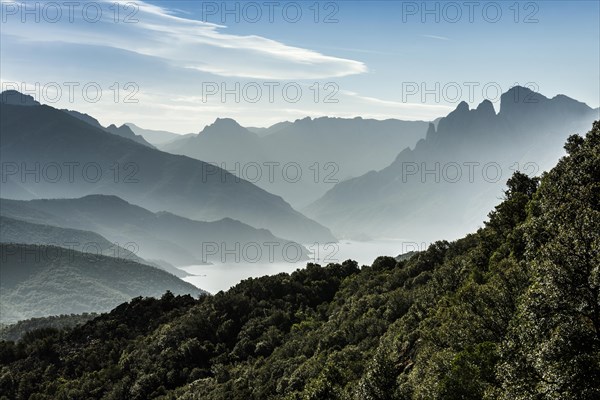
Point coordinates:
[(553, 348)]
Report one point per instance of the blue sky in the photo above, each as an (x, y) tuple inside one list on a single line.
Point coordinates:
[(379, 59)]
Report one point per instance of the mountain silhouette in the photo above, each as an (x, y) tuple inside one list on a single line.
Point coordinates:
[(162, 235), (17, 98), (74, 159), (126, 132), (123, 130), (155, 137), (23, 232), (307, 156), (445, 185)]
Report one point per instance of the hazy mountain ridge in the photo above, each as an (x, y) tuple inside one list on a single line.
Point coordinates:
[(271, 129), (162, 235), (23, 232), (322, 150), (39, 281), (447, 182), (38, 136), (156, 137), (123, 130), (17, 98)]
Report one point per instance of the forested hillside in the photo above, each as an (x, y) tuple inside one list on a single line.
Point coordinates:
[(509, 312), (40, 280)]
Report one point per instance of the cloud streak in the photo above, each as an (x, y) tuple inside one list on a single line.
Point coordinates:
[(185, 43), (436, 37)]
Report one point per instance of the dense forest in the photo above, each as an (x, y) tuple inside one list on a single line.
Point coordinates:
[(509, 312)]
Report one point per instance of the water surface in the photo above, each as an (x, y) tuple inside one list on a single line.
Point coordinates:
[(216, 277)]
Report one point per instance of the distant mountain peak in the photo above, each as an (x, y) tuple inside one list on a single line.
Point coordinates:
[(126, 132), (225, 126), (17, 98), (132, 125), (566, 100), (518, 98), (462, 106), (305, 120), (227, 122), (121, 128), (457, 114), (124, 129), (487, 107), (522, 90), (223, 123)]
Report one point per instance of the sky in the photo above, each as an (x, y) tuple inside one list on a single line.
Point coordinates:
[(179, 65)]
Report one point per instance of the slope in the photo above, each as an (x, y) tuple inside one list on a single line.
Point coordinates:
[(42, 280)]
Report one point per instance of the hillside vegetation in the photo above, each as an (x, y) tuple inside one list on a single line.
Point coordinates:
[(40, 280)]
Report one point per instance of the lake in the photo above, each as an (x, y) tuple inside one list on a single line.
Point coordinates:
[(216, 277)]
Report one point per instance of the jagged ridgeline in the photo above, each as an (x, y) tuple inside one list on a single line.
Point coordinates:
[(508, 312)]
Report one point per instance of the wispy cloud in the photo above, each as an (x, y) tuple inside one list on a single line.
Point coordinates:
[(432, 109), (436, 37), (169, 57), (187, 43)]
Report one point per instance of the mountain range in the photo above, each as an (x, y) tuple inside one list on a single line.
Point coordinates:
[(300, 160), (72, 158), (155, 236), (66, 178), (23, 232), (123, 130), (445, 185), (19, 231), (16, 98)]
